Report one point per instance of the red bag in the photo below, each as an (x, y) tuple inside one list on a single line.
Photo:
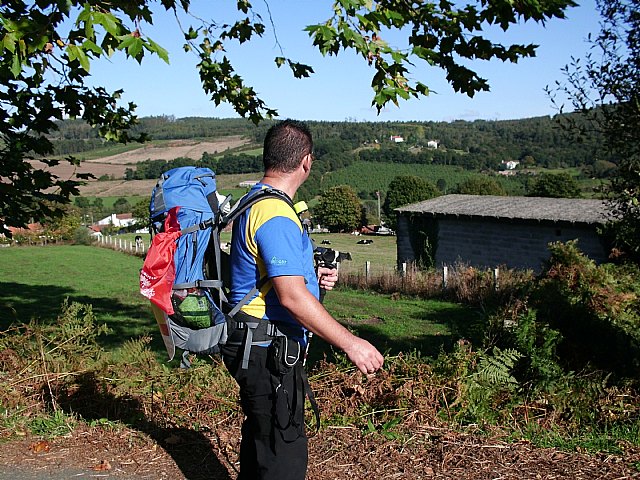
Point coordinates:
[(158, 271)]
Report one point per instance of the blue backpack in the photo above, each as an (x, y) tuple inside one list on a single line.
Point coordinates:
[(196, 318)]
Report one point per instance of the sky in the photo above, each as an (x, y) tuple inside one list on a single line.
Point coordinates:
[(340, 88)]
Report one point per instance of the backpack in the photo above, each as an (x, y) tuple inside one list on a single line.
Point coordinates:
[(184, 274)]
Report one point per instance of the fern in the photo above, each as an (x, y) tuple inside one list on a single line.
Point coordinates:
[(495, 370)]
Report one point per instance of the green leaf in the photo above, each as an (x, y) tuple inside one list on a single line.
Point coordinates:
[(16, 66), (157, 49), (108, 21), (72, 52), (192, 34), (85, 15), (404, 93), (300, 70), (125, 41), (89, 45), (9, 42), (83, 59), (280, 61), (398, 57), (135, 47)]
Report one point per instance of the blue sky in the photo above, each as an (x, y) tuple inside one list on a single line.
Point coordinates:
[(339, 89)]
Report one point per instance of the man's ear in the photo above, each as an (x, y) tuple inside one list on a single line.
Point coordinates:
[(306, 162)]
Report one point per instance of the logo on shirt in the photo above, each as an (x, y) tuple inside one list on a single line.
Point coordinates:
[(278, 261)]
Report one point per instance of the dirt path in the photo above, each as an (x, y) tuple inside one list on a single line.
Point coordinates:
[(335, 453)]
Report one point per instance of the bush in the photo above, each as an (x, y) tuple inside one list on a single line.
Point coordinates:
[(82, 236), (595, 308)]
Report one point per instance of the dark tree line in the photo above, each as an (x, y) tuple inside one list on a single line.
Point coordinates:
[(227, 164), (479, 144)]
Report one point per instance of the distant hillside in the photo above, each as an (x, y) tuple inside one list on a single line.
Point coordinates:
[(229, 146), (476, 144), (113, 162), (169, 150)]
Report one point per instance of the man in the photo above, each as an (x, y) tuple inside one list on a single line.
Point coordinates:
[(271, 250)]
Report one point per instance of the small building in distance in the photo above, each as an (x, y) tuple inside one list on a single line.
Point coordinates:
[(119, 220), (509, 164), (490, 231), (247, 183)]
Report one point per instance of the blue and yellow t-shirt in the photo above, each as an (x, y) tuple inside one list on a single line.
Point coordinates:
[(269, 241)]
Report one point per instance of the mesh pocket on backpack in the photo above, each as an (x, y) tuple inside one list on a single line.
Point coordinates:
[(192, 310)]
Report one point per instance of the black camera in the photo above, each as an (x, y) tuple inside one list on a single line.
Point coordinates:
[(328, 257)]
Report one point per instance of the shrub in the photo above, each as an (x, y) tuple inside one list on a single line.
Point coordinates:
[(595, 308), (82, 236)]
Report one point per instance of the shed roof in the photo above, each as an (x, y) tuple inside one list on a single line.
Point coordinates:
[(523, 208)]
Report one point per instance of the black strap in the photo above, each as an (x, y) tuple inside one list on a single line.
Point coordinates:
[(256, 331), (303, 389), (251, 199)]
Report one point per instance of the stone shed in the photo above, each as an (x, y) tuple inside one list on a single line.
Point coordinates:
[(489, 231)]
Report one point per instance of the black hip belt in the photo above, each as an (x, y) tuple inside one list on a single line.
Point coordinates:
[(263, 330), (248, 331)]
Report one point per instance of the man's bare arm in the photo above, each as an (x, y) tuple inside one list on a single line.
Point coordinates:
[(306, 309)]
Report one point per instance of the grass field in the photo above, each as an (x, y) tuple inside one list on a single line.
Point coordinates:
[(381, 253), (36, 281)]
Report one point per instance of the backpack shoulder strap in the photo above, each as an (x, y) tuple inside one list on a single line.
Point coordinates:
[(249, 200)]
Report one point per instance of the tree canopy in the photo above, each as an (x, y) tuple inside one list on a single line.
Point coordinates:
[(605, 87), (481, 186), (339, 209), (406, 189), (47, 47), (554, 185)]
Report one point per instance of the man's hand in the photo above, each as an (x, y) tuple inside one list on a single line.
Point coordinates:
[(327, 277), (364, 356), (306, 309)]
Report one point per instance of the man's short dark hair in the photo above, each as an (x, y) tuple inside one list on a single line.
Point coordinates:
[(285, 144)]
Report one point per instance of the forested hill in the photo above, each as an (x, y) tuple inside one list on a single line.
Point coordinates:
[(480, 145), (477, 144)]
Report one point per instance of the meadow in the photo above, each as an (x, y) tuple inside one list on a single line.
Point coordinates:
[(456, 376), (37, 280), (381, 254)]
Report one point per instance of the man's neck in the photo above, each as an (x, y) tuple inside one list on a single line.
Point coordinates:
[(281, 182)]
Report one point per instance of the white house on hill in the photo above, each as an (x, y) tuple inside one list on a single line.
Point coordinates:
[(118, 220)]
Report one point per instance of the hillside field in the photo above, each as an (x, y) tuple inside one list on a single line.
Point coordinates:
[(36, 281)]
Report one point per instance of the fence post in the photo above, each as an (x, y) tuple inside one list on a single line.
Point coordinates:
[(496, 282), (445, 275), (404, 269), (367, 270)]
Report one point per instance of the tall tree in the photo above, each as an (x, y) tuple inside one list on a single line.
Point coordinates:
[(481, 186), (339, 209), (406, 189), (554, 185), (47, 47), (605, 87)]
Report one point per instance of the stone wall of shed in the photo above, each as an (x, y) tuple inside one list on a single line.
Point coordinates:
[(496, 242), (405, 253)]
